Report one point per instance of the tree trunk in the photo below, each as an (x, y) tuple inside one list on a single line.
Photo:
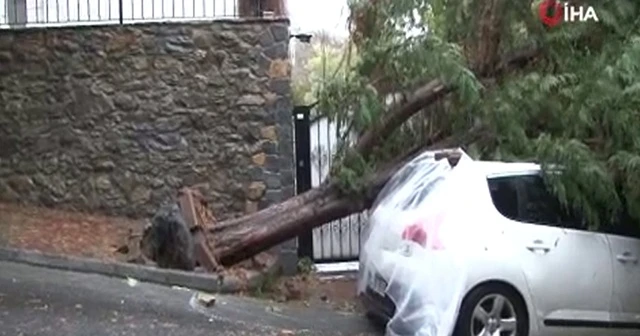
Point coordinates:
[(279, 223), (239, 239), (242, 238)]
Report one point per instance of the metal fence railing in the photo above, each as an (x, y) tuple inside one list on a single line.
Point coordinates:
[(338, 240), (29, 13)]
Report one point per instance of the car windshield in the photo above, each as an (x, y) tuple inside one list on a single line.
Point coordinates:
[(413, 183)]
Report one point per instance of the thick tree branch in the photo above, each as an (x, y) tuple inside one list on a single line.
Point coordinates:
[(428, 94), (398, 114)]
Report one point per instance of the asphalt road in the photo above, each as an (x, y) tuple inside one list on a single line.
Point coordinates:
[(39, 301)]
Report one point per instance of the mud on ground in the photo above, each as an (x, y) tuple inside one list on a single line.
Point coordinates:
[(69, 233), (305, 290)]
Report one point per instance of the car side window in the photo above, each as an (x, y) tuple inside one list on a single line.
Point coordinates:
[(623, 226), (504, 194), (538, 205), (627, 229), (525, 198)]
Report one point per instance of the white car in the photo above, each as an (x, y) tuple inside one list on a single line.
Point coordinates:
[(529, 269)]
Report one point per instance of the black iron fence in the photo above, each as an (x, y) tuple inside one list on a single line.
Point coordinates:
[(21, 13), (316, 141)]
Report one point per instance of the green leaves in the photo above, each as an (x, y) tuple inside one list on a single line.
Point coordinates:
[(352, 172), (579, 110), (585, 184), (576, 107)]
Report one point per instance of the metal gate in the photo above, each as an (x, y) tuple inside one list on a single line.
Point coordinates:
[(315, 143)]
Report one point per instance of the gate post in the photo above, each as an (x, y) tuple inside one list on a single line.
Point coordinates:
[(121, 11), (303, 169)]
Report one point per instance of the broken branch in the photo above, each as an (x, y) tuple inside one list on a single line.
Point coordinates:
[(429, 94)]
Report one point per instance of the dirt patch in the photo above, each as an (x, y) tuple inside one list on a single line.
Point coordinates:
[(338, 293), (93, 236), (69, 233)]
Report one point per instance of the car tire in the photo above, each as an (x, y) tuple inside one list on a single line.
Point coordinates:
[(512, 318), (376, 319)]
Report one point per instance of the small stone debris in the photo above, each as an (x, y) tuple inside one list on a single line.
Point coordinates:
[(43, 307), (180, 288), (293, 289), (205, 299), (132, 282), (169, 325), (122, 249), (286, 332), (273, 309)]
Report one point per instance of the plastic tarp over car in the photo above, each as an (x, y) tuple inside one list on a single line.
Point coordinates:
[(421, 226)]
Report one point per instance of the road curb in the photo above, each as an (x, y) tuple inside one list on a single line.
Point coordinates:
[(200, 281)]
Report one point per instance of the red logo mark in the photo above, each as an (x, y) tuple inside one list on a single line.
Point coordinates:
[(551, 12), (426, 233)]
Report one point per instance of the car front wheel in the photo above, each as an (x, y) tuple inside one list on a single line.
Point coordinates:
[(492, 310)]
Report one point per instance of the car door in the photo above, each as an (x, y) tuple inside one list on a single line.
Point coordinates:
[(624, 239), (561, 263)]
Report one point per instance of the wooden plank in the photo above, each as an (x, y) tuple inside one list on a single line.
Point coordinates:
[(203, 253), (185, 201), (196, 214)]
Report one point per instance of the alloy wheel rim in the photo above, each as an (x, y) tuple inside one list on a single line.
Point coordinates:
[(494, 315)]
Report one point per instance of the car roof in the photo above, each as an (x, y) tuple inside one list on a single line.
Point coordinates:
[(495, 168), (498, 168)]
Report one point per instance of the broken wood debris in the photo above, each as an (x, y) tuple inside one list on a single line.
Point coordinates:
[(197, 216)]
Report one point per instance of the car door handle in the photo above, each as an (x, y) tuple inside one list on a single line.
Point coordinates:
[(627, 257), (539, 245)]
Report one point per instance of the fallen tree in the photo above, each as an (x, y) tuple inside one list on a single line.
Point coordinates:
[(482, 120), (238, 239)]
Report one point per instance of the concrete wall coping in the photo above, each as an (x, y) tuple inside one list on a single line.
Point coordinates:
[(212, 283)]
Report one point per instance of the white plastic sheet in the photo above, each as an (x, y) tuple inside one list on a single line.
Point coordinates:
[(436, 204)]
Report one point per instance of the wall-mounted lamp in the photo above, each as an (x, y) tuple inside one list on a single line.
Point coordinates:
[(304, 38)]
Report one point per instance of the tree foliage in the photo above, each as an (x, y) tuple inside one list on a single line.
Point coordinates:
[(575, 108), (316, 64)]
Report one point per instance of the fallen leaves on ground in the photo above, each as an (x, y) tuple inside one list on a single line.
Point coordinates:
[(68, 232)]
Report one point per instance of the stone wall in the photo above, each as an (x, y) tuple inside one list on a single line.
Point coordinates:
[(115, 119)]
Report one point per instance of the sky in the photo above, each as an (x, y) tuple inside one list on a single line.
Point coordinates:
[(309, 15), (306, 15)]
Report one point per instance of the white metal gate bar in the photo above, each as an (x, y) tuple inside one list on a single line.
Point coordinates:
[(339, 240)]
